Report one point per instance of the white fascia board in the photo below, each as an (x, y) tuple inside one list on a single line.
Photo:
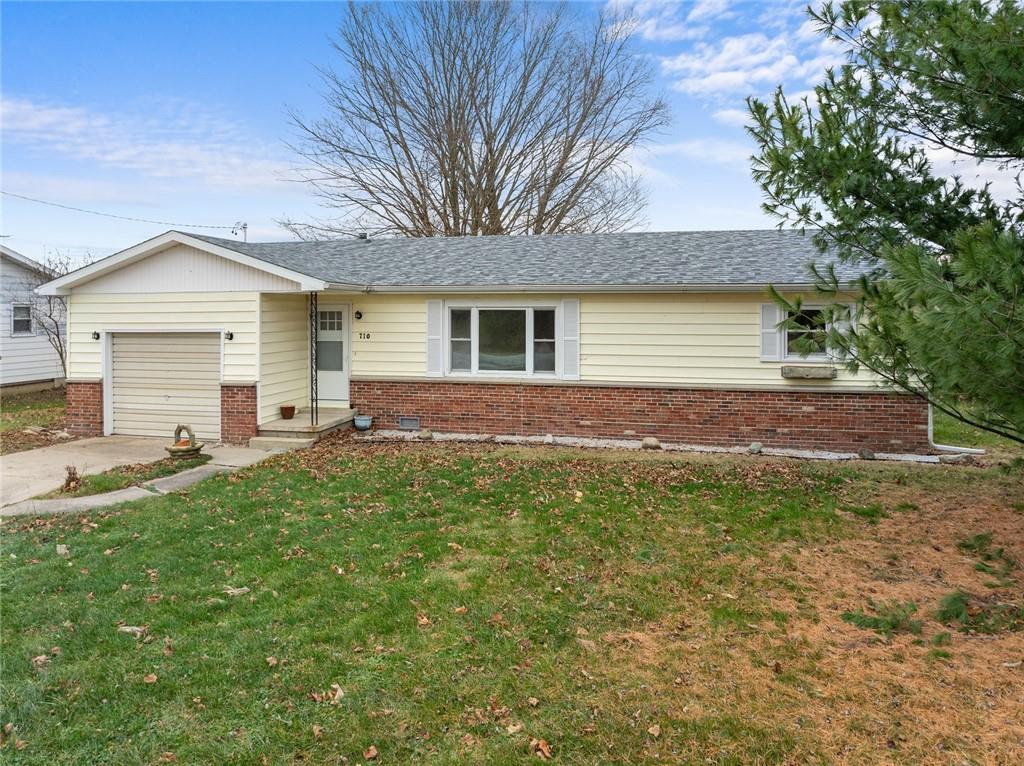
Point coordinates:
[(666, 288), (23, 260), (64, 285)]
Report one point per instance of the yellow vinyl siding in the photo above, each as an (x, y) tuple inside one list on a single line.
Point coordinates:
[(168, 312), (284, 354), (697, 339), (397, 330)]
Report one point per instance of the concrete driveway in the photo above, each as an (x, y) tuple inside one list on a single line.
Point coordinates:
[(27, 474)]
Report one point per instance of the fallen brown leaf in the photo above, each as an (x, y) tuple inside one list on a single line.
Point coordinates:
[(370, 753), (654, 731), (150, 678), (587, 644)]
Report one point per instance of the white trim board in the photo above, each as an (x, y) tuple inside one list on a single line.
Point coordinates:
[(64, 285)]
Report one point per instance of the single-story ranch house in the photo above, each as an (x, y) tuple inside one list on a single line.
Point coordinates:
[(670, 335)]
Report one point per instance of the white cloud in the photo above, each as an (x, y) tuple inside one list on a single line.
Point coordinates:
[(735, 117), (748, 64), (717, 151), (666, 20), (178, 141), (1002, 182), (70, 189), (705, 10)]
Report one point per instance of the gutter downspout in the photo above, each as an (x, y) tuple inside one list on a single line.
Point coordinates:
[(946, 447)]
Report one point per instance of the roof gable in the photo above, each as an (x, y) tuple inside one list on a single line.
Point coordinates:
[(23, 260), (167, 241), (186, 269)]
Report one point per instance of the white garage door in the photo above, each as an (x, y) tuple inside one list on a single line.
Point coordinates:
[(163, 379)]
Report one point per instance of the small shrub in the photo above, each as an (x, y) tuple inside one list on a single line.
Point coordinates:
[(72, 480), (887, 618)]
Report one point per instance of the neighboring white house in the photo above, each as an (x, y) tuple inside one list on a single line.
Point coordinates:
[(26, 354)]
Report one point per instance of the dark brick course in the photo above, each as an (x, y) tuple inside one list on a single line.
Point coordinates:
[(238, 421), (842, 421), (84, 400)]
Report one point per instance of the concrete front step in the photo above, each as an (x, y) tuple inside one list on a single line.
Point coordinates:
[(300, 427), (281, 442)]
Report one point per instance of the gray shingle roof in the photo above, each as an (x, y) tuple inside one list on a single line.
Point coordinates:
[(645, 260)]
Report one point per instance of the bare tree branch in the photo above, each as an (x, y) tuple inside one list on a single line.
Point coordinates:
[(469, 118)]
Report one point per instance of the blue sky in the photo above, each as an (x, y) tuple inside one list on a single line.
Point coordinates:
[(178, 112)]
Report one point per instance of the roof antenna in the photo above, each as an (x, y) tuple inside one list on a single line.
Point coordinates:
[(241, 226)]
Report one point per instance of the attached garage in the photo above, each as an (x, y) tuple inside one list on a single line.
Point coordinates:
[(159, 380)]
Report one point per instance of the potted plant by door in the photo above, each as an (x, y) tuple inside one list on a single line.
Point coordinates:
[(287, 411)]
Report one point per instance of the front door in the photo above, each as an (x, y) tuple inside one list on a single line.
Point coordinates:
[(332, 356)]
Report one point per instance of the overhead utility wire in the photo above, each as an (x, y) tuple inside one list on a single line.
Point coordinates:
[(121, 217)]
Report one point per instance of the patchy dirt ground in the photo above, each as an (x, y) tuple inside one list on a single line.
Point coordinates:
[(33, 420), (940, 696)]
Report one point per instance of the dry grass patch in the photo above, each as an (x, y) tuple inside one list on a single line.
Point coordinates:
[(849, 694)]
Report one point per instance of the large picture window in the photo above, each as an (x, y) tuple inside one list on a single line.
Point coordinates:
[(512, 340)]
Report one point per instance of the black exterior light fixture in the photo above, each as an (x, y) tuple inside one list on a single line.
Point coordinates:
[(358, 315), (229, 335), (95, 335)]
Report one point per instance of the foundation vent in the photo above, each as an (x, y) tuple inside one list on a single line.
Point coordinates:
[(408, 423)]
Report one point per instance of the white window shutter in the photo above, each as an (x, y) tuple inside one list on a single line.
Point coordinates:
[(771, 337), (842, 326), (571, 338), (435, 336)]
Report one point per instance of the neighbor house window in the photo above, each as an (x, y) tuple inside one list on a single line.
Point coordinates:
[(517, 341), (806, 338), (21, 320)]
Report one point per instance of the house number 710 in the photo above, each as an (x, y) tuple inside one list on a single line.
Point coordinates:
[(364, 336)]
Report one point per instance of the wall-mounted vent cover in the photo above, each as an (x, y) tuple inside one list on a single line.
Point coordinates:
[(408, 423)]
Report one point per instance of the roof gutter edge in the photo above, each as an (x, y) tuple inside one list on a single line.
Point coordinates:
[(582, 288)]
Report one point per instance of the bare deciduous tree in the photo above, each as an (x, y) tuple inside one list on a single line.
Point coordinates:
[(469, 118)]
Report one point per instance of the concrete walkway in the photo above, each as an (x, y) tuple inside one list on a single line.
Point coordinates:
[(25, 479)]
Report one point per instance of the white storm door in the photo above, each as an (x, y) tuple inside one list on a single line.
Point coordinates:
[(332, 355)]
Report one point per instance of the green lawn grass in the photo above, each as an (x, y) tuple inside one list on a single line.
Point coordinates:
[(437, 605), (948, 430), (123, 476), (41, 408)]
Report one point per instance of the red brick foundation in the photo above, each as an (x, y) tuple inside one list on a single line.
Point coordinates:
[(84, 408), (797, 419), (238, 421)]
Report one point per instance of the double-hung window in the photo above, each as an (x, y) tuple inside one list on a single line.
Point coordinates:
[(797, 335), (509, 340), (21, 320), (805, 336)]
